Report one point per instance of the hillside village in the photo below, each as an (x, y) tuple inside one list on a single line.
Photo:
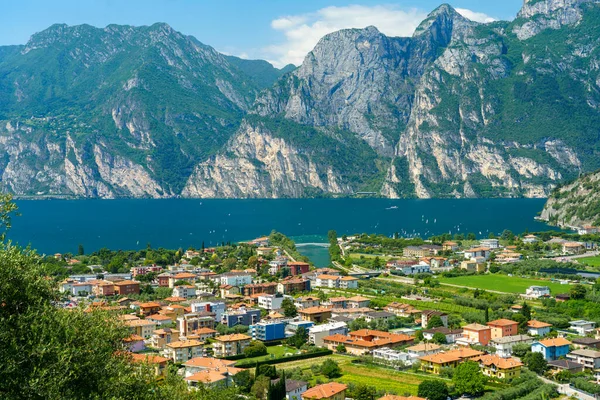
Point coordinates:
[(221, 321)]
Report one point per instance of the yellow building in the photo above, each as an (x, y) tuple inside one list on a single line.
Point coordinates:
[(183, 350), (434, 363), (327, 391), (498, 367), (230, 345)]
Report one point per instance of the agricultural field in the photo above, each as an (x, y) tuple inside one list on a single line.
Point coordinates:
[(273, 352), (591, 261), (503, 283)]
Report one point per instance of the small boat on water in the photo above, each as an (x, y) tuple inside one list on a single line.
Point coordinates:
[(392, 208)]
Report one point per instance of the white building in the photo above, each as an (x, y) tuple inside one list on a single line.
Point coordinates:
[(388, 355), (478, 252), (583, 327), (420, 268), (236, 279), (535, 292), (216, 307), (590, 359), (335, 282), (504, 345), (530, 239), (318, 332), (81, 289), (490, 243), (270, 301), (185, 291)]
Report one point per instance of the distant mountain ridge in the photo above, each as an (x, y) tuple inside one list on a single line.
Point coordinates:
[(460, 109)]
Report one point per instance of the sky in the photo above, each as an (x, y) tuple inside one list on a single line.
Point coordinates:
[(279, 31)]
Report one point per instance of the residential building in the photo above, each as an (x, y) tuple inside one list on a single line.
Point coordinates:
[(422, 349), (504, 345), (294, 284), (242, 316), (318, 332), (530, 239), (582, 327), (490, 243), (451, 334), (475, 334), (402, 310), (503, 327), (415, 251), (141, 327), (192, 321), (293, 325), (259, 288), (268, 330), (428, 314), (364, 341), (213, 379), (124, 288), (388, 355), (573, 248), (497, 367), (378, 316), (149, 308), (590, 359), (337, 302), (104, 288), (335, 281), (230, 345), (270, 301), (538, 328), (160, 319), (297, 267), (434, 363), (586, 343), (414, 269), (472, 266), (450, 246), (315, 314), (199, 364), (186, 277), (478, 252), (161, 337), (185, 291), (307, 302), (358, 302), (215, 307), (160, 363), (82, 289), (135, 343), (565, 365), (183, 350), (236, 279), (293, 389), (326, 391), (202, 334), (535, 292), (551, 349)]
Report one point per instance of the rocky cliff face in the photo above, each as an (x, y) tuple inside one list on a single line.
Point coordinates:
[(576, 204), (460, 109)]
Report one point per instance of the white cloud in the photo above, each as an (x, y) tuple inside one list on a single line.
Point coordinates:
[(302, 32), (475, 16)]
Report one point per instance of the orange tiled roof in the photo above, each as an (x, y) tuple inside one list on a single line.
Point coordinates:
[(502, 363), (208, 362), (502, 322), (184, 343), (452, 356), (538, 324), (233, 338), (555, 342), (314, 310), (475, 327), (324, 391)]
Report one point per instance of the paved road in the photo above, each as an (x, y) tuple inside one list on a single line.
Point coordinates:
[(568, 390)]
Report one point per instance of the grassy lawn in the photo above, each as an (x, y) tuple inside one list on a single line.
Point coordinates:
[(503, 283), (273, 352), (381, 256), (591, 261)]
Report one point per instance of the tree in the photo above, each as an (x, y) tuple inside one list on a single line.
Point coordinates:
[(468, 379), (261, 386), (7, 209), (331, 369), (267, 370), (536, 362), (289, 309), (521, 349), (434, 322), (526, 311), (253, 262), (433, 390), (229, 263), (243, 380), (255, 349), (363, 392), (341, 348), (419, 336), (439, 338), (299, 338), (577, 292), (80, 250)]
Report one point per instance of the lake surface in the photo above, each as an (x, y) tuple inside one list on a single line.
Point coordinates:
[(60, 225)]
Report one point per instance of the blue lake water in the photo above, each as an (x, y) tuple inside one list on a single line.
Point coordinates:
[(60, 225)]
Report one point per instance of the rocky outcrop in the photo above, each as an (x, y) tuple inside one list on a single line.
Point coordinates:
[(576, 204)]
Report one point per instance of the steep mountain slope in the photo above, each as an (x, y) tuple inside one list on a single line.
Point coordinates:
[(461, 109), (576, 204), (119, 111)]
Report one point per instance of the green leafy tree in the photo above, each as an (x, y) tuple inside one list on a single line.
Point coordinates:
[(341, 348), (526, 311), (468, 379), (433, 390), (536, 362), (331, 369), (434, 322), (363, 392), (299, 338), (419, 336), (577, 292), (289, 309), (255, 349), (7, 210), (521, 349), (439, 338), (267, 370), (80, 250)]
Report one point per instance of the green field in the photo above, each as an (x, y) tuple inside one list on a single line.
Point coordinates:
[(591, 261), (503, 283), (272, 352)]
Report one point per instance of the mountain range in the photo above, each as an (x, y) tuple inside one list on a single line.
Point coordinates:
[(460, 109)]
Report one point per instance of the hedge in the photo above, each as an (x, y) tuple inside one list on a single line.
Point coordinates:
[(280, 360)]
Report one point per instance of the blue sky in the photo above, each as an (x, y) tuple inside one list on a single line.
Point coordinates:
[(280, 31)]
